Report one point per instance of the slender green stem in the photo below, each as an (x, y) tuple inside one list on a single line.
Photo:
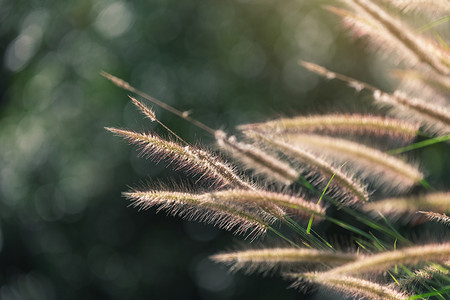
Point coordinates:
[(349, 227), (419, 145), (364, 219), (443, 291), (283, 237), (308, 230), (310, 238), (433, 24)]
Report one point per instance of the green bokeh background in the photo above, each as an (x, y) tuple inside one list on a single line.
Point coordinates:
[(65, 230)]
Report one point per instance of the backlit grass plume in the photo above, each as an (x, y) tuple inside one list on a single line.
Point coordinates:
[(351, 286), (393, 35), (381, 262), (304, 168), (351, 189), (344, 124), (407, 208), (185, 157), (433, 216), (219, 211), (258, 160), (385, 169), (432, 116), (265, 260)]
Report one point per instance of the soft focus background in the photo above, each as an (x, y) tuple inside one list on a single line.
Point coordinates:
[(65, 230)]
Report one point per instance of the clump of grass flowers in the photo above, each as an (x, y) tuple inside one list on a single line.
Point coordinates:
[(309, 175)]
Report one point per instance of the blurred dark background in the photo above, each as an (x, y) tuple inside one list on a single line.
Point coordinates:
[(65, 230)]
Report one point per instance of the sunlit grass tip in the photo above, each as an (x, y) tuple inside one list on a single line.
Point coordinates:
[(407, 207), (267, 259), (144, 109), (248, 220), (433, 216), (427, 85), (381, 262), (343, 124), (434, 117), (349, 286), (271, 166), (372, 164), (192, 159), (265, 199), (351, 189), (392, 35)]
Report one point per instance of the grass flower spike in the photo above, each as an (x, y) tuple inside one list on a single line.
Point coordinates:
[(257, 159), (195, 160), (272, 258), (434, 117), (351, 286), (337, 124), (390, 34), (408, 207), (353, 191), (442, 218), (383, 261), (388, 170), (224, 214)]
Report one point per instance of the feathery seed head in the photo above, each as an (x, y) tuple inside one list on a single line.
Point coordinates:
[(389, 171), (432, 216), (338, 124), (350, 286), (349, 186), (407, 207), (268, 259), (255, 158), (424, 85), (389, 33), (144, 109), (225, 214), (267, 200), (185, 157), (381, 262), (433, 116)]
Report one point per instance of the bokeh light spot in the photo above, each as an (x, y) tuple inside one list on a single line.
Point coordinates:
[(115, 20)]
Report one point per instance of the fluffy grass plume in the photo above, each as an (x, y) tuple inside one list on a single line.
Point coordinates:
[(227, 215), (432, 216), (344, 124), (422, 275), (435, 118), (407, 207), (381, 262), (393, 35), (352, 190), (271, 166), (350, 286), (432, 116), (267, 201), (185, 157), (385, 169), (264, 260), (426, 85), (150, 114)]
